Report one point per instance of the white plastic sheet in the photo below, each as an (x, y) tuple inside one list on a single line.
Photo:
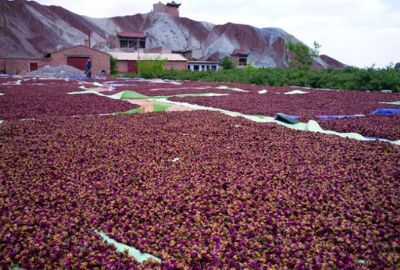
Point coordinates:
[(132, 252)]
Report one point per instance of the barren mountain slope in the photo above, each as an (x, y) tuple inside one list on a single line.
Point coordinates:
[(28, 29)]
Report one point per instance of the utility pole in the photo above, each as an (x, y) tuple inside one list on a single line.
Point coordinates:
[(89, 39), (137, 65)]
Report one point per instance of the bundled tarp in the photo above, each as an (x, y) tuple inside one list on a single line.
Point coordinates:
[(288, 119), (386, 111)]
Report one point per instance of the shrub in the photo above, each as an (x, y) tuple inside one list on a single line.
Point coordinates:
[(227, 63), (151, 68), (349, 78), (113, 66)]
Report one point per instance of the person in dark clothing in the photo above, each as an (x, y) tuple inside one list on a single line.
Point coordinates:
[(88, 69)]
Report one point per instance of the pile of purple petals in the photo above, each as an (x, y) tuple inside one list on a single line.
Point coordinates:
[(199, 190), (49, 98), (309, 106), (377, 126)]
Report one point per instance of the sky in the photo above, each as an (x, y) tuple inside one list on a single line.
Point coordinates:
[(360, 33)]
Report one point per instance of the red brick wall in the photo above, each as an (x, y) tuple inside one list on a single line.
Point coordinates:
[(159, 7), (20, 65), (122, 66), (172, 11), (177, 65), (100, 61)]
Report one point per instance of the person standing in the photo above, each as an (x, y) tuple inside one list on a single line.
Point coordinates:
[(88, 69)]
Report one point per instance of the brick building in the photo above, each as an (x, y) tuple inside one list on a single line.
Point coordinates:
[(239, 57), (127, 61), (22, 65), (171, 8), (74, 56), (203, 65)]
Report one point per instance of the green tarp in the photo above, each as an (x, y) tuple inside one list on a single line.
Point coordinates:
[(129, 95), (393, 103), (133, 111), (160, 107), (156, 108)]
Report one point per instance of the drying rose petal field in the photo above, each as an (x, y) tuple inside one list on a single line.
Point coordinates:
[(198, 190), (48, 98)]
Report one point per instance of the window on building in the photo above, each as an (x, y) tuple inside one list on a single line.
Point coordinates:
[(33, 66), (142, 43), (242, 61), (196, 67), (132, 43)]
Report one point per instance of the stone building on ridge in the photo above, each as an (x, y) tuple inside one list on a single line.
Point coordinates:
[(170, 8)]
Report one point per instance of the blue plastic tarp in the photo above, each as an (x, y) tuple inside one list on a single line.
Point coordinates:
[(385, 111), (376, 139), (333, 117)]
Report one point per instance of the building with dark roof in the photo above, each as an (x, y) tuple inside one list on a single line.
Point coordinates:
[(240, 56)]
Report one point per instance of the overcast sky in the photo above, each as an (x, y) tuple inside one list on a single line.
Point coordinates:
[(355, 32)]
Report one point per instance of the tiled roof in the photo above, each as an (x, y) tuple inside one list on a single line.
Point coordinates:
[(131, 34), (240, 51), (173, 4)]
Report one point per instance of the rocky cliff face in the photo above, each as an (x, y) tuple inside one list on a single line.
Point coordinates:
[(28, 29)]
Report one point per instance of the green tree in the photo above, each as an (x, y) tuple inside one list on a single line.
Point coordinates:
[(227, 63), (303, 57), (113, 66)]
